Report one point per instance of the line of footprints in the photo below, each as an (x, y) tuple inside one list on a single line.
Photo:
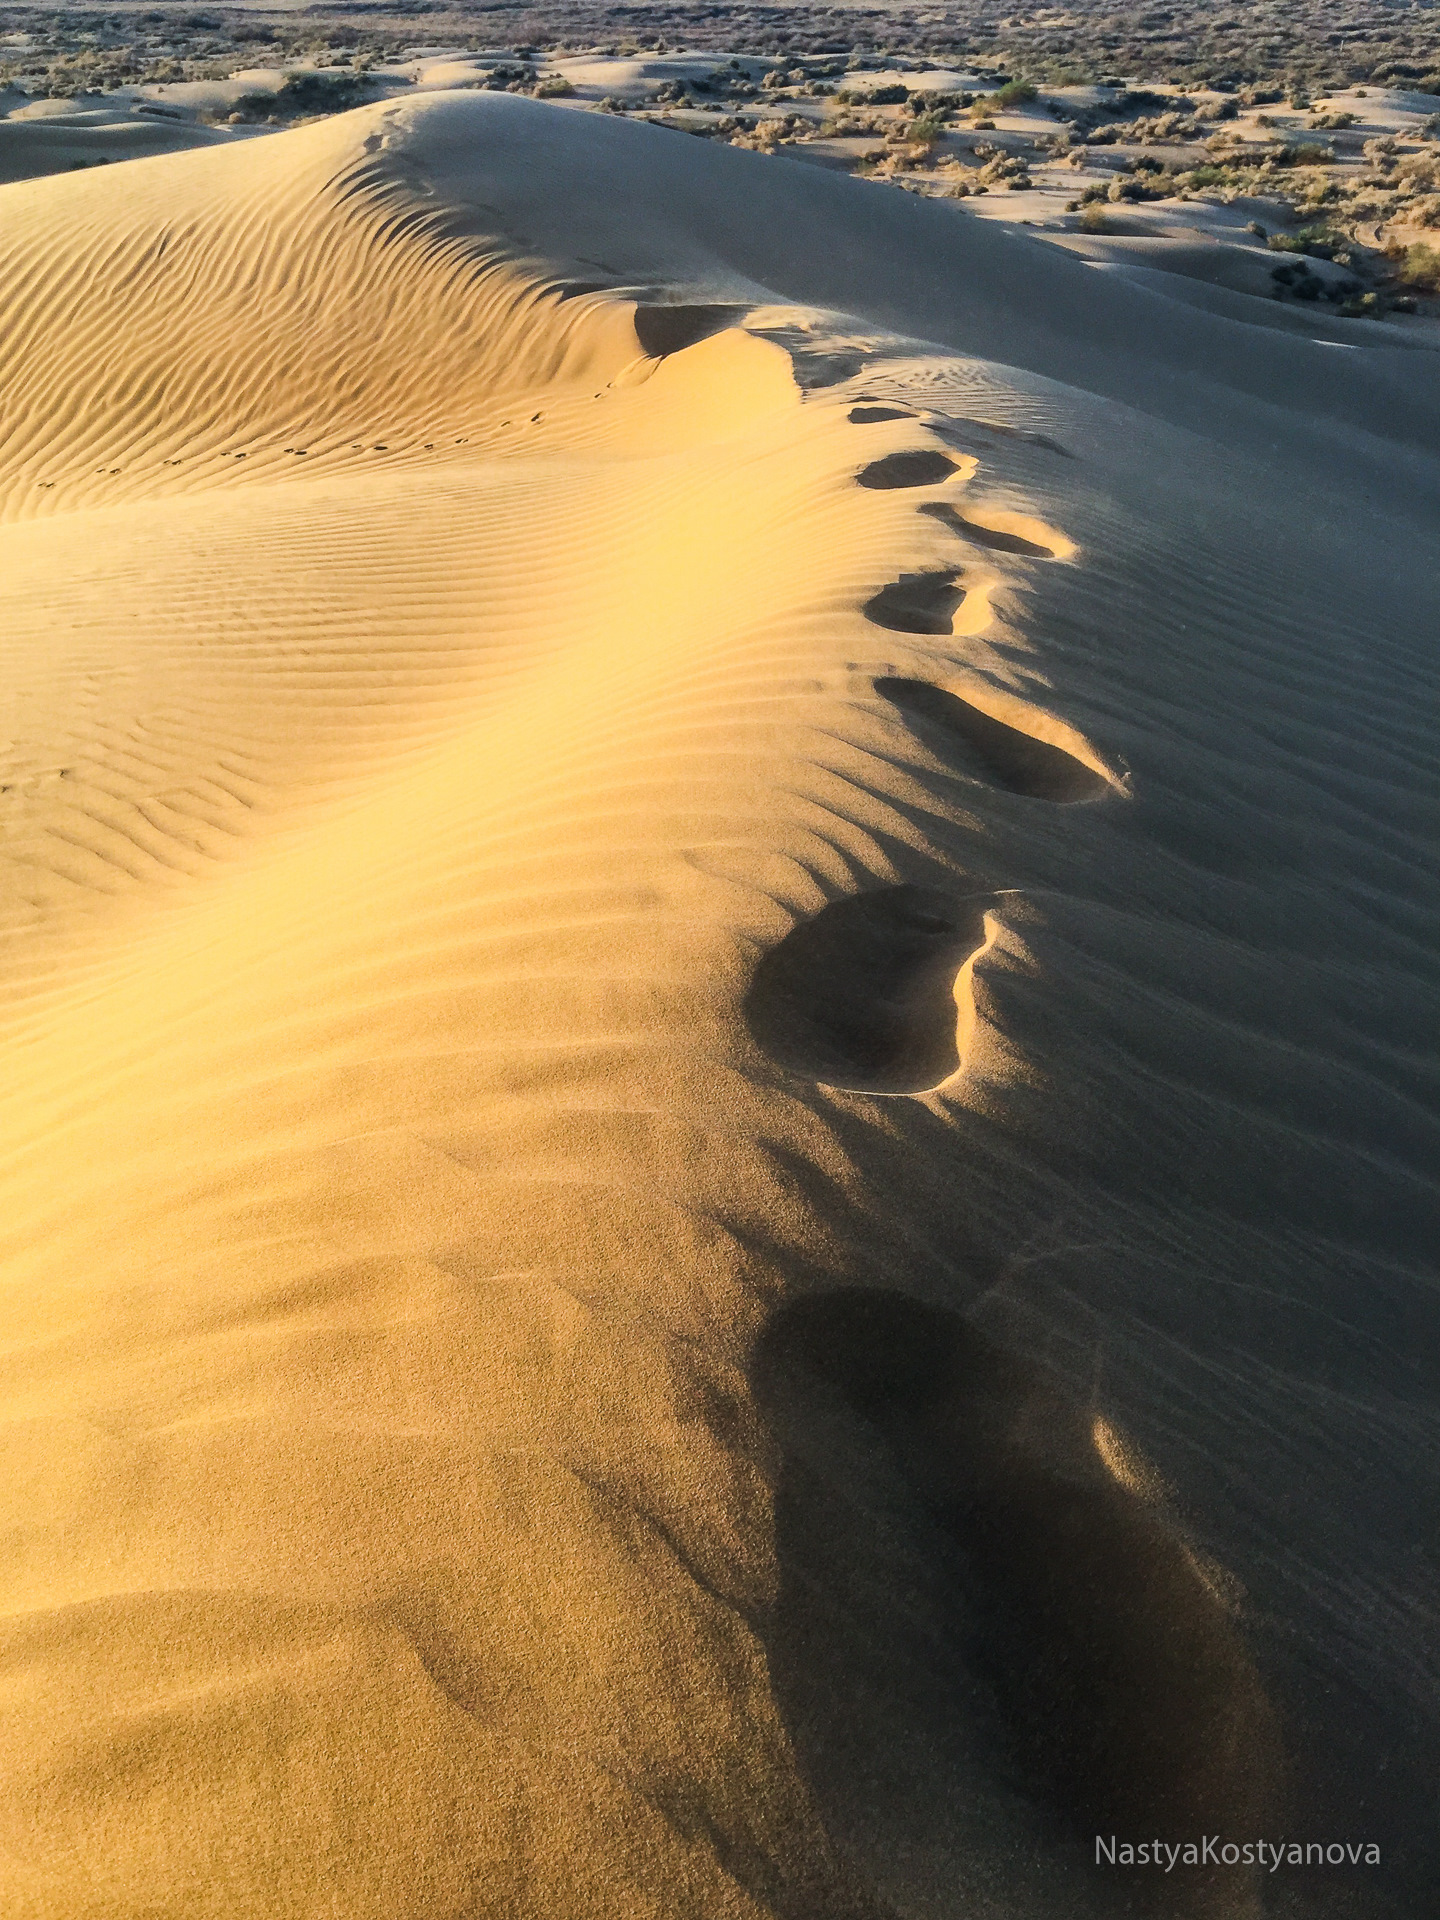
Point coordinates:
[(862, 995), (1110, 1644)]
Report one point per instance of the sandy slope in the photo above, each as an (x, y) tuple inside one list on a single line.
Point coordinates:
[(62, 136), (719, 1030)]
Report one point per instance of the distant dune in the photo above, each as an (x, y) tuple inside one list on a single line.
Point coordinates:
[(720, 1155)]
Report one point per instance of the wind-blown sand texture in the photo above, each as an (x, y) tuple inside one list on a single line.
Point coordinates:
[(719, 1141)]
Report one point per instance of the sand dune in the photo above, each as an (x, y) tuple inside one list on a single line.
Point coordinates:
[(63, 136), (719, 1150)]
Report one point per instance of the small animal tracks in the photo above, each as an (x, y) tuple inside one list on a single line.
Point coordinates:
[(992, 749), (866, 995)]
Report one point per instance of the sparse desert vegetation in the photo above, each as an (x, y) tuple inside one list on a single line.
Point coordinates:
[(1121, 125)]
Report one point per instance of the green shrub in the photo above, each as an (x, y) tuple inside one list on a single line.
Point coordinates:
[(1304, 153), (1016, 93), (306, 93), (891, 96), (1420, 268), (1320, 243), (925, 129)]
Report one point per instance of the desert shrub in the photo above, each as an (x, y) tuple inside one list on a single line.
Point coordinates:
[(925, 129), (1304, 153), (1006, 169), (1419, 268), (309, 93), (1140, 100), (1419, 172), (766, 135), (1094, 219), (91, 70), (554, 87), (891, 96), (844, 125), (1297, 280), (1016, 93), (1320, 243)]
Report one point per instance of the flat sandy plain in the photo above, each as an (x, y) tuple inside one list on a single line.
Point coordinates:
[(719, 1176)]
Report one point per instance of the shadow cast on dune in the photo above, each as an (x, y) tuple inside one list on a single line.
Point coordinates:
[(662, 329), (862, 995), (1074, 1617), (1000, 753)]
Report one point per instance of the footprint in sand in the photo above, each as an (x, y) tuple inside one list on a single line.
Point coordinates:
[(994, 750), (1037, 542), (920, 468), (917, 603), (863, 996), (1111, 1646)]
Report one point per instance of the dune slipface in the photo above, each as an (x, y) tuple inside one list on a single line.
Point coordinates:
[(644, 1275)]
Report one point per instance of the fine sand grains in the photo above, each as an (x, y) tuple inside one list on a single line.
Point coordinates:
[(715, 1145)]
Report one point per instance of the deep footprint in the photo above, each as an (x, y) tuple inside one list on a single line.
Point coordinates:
[(994, 537), (862, 996), (919, 469), (1132, 1700), (1002, 754), (661, 329), (917, 603)]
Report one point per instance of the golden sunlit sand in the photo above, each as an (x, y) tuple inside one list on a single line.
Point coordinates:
[(718, 1132)]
